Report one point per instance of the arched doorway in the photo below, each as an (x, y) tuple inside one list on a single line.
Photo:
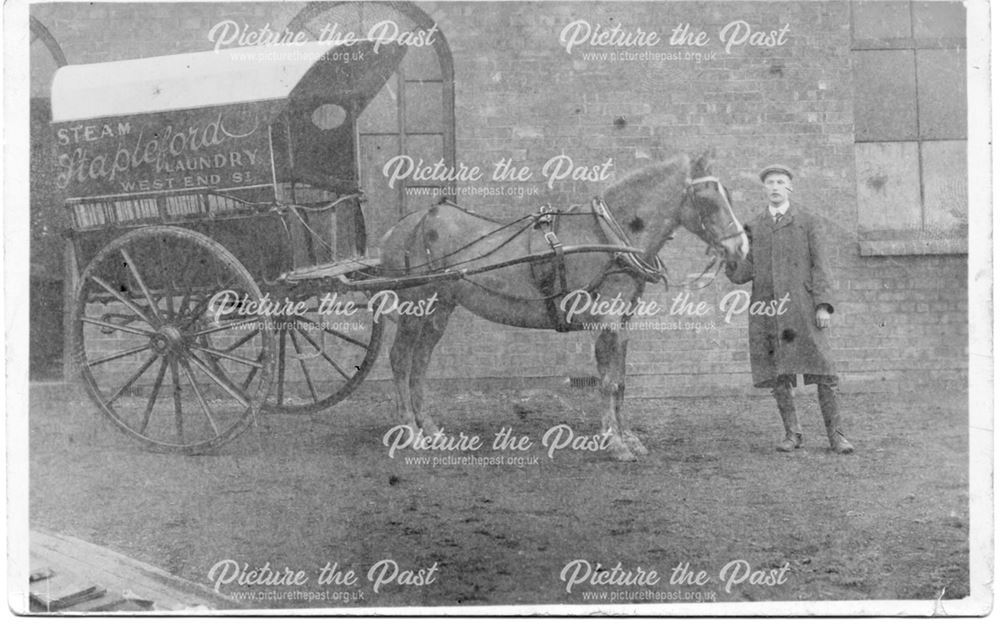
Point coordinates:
[(47, 246), (413, 114)]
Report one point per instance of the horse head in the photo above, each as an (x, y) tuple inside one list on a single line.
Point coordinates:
[(652, 202), (708, 213)]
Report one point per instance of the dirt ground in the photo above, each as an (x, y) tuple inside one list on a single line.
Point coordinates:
[(890, 522)]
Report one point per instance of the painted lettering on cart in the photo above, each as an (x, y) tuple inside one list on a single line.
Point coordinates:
[(92, 132), (168, 153)]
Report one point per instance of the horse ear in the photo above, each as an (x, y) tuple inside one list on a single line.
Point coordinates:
[(703, 163)]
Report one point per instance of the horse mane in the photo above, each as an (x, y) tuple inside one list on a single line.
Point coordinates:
[(630, 188)]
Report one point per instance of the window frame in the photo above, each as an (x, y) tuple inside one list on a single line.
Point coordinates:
[(922, 241)]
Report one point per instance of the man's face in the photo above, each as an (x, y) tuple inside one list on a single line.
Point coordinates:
[(777, 187)]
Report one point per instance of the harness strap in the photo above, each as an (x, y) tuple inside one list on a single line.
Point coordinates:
[(631, 262), (547, 221), (418, 230)]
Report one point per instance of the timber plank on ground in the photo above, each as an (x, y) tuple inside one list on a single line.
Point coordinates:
[(77, 576)]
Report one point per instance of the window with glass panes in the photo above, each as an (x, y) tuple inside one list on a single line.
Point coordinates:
[(910, 118)]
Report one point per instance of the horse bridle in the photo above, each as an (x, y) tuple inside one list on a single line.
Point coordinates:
[(717, 245), (689, 193)]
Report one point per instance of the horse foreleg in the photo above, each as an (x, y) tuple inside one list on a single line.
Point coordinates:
[(609, 351), (631, 439), (433, 328), (408, 331)]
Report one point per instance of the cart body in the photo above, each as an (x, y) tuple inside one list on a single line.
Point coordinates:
[(189, 175), (201, 138)]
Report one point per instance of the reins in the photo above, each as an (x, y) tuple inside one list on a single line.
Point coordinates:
[(529, 221), (631, 260)]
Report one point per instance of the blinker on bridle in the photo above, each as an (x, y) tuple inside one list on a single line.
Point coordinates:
[(716, 260), (711, 179)]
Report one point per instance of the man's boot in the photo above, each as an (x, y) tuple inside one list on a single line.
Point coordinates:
[(786, 407), (828, 406)]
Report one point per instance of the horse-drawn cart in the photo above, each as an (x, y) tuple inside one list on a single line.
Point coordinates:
[(215, 201), (204, 191)]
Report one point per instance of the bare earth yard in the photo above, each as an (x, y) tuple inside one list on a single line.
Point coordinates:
[(890, 522)]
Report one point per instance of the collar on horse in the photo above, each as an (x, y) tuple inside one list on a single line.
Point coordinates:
[(554, 284), (633, 263)]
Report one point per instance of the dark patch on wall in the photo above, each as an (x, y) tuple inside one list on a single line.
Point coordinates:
[(877, 182)]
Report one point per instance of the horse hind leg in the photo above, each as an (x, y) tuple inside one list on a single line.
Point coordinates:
[(609, 352), (433, 328)]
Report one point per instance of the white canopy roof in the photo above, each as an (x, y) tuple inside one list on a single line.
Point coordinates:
[(192, 80)]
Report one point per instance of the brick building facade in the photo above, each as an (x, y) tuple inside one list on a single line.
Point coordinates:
[(519, 94)]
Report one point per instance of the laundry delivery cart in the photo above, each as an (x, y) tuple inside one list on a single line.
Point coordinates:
[(215, 210)]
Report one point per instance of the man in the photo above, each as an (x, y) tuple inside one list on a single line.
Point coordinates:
[(790, 272)]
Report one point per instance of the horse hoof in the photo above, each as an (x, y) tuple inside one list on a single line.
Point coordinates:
[(636, 446), (429, 429), (624, 455), (620, 452)]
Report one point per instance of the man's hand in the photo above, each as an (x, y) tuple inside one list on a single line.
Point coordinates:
[(823, 317)]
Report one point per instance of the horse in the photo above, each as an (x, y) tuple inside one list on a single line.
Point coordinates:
[(639, 213)]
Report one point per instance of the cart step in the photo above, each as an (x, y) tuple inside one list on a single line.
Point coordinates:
[(334, 269)]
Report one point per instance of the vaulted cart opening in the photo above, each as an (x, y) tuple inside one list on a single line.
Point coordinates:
[(412, 115)]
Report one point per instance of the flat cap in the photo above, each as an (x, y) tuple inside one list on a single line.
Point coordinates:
[(775, 168)]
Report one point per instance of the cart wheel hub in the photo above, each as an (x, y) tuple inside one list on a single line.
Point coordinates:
[(168, 338)]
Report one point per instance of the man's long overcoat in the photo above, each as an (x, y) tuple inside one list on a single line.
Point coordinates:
[(787, 258)]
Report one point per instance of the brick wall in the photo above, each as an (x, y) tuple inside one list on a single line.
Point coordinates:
[(901, 320)]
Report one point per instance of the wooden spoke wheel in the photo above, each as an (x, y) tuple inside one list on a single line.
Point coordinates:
[(162, 356), (322, 357)]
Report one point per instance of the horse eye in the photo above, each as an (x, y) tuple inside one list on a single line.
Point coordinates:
[(636, 225)]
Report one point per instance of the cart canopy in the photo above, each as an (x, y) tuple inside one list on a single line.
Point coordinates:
[(353, 73), (251, 117)]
